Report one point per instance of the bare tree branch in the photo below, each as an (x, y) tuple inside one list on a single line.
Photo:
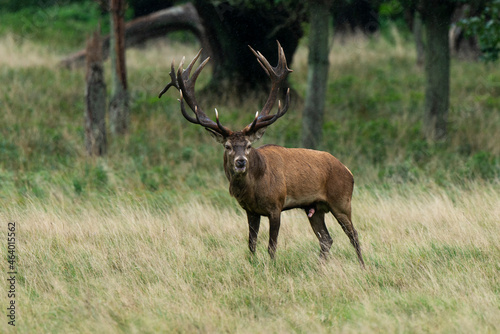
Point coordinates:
[(151, 26)]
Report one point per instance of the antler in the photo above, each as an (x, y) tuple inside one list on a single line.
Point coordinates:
[(185, 84), (278, 75)]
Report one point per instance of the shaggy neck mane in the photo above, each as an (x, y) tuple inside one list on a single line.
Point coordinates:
[(241, 184)]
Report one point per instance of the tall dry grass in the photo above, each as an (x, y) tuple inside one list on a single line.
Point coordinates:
[(22, 53), (432, 266)]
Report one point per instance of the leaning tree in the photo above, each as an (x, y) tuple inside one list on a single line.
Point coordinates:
[(224, 29)]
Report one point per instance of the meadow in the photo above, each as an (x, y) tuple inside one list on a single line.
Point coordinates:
[(147, 238)]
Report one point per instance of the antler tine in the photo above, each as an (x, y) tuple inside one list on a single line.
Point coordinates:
[(251, 127), (173, 81), (180, 79), (268, 120), (282, 59), (223, 130), (185, 83), (198, 70), (191, 64), (277, 74), (262, 61), (263, 121), (185, 114), (185, 73), (287, 101)]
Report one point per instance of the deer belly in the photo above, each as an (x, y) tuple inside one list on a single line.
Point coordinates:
[(301, 201)]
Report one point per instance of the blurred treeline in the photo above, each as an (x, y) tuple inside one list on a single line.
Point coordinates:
[(373, 113), (32, 17)]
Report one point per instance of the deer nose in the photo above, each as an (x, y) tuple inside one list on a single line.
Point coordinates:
[(240, 162)]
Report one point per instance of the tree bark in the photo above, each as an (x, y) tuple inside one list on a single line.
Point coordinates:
[(351, 16), (418, 33), (95, 99), (317, 75), (119, 107), (437, 18), (152, 26)]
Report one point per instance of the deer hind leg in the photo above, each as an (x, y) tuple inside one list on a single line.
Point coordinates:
[(317, 220), (274, 228), (346, 224), (253, 226)]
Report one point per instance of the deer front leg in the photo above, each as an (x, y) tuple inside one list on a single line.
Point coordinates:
[(274, 228), (253, 226)]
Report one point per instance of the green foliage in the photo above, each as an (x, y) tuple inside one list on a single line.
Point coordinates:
[(483, 165), (391, 9), (486, 27), (65, 24), (18, 5)]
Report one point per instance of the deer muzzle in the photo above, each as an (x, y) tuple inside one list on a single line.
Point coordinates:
[(240, 165)]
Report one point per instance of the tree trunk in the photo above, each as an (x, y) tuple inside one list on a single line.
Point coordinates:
[(317, 75), (463, 46), (142, 29), (95, 99), (418, 33), (351, 16), (437, 18), (230, 29), (118, 108)]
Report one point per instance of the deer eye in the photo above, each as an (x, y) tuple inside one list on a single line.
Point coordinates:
[(227, 147)]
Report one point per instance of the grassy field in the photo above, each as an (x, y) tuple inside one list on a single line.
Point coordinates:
[(148, 239), (432, 266)]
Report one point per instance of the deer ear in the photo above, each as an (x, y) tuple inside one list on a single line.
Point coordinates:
[(217, 136), (257, 135)]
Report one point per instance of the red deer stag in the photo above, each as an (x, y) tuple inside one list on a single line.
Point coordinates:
[(270, 179)]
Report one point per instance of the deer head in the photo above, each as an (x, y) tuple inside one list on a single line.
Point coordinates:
[(237, 144)]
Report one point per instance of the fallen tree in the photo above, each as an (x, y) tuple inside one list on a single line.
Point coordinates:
[(224, 32), (147, 27)]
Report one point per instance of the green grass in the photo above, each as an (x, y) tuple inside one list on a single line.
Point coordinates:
[(147, 239), (63, 24)]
